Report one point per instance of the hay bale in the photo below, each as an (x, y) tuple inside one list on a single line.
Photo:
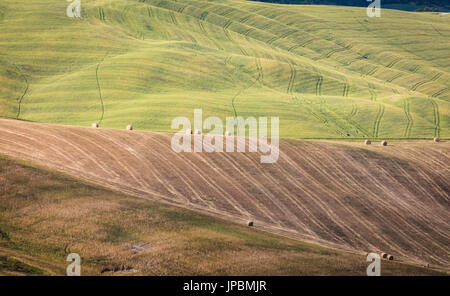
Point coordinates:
[(188, 132), (228, 133), (383, 143), (383, 255), (437, 140), (198, 132), (129, 127), (368, 142), (94, 125), (250, 223), (390, 257)]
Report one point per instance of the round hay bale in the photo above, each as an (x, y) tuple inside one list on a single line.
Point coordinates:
[(188, 132), (129, 127), (437, 140), (228, 133), (368, 142), (94, 125), (383, 255), (250, 223), (198, 132), (390, 257), (383, 143)]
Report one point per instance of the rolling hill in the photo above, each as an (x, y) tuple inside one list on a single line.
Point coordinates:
[(326, 71), (344, 195), (118, 234)]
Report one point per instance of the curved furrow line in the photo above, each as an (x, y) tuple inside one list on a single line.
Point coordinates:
[(376, 125), (440, 92), (394, 77), (203, 15), (417, 208), (340, 182), (409, 120), (422, 176), (404, 232), (260, 70), (342, 130), (46, 134), (245, 18), (25, 145), (384, 204), (140, 161), (312, 196), (437, 76), (393, 62), (286, 194), (319, 85), (230, 199), (100, 90), (425, 176), (247, 32), (173, 18), (333, 51), (373, 94), (313, 206), (371, 72), (419, 84), (415, 68), (242, 50), (341, 122), (236, 167), (326, 206), (436, 117), (219, 47), (130, 170), (322, 120), (254, 184), (433, 161), (20, 99), (258, 79), (291, 79), (412, 186), (354, 110), (326, 173), (346, 89), (302, 191), (280, 202), (101, 14), (151, 169)]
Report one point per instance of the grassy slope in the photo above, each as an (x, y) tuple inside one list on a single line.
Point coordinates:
[(45, 215), (326, 71)]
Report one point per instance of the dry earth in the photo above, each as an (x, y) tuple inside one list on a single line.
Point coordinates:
[(393, 199)]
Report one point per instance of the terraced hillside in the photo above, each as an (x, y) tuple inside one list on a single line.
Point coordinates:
[(326, 71), (345, 195)]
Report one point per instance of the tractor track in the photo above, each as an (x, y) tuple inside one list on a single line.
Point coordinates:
[(409, 119), (376, 125), (20, 99), (436, 117)]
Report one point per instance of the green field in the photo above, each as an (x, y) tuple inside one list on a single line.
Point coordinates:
[(326, 71)]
